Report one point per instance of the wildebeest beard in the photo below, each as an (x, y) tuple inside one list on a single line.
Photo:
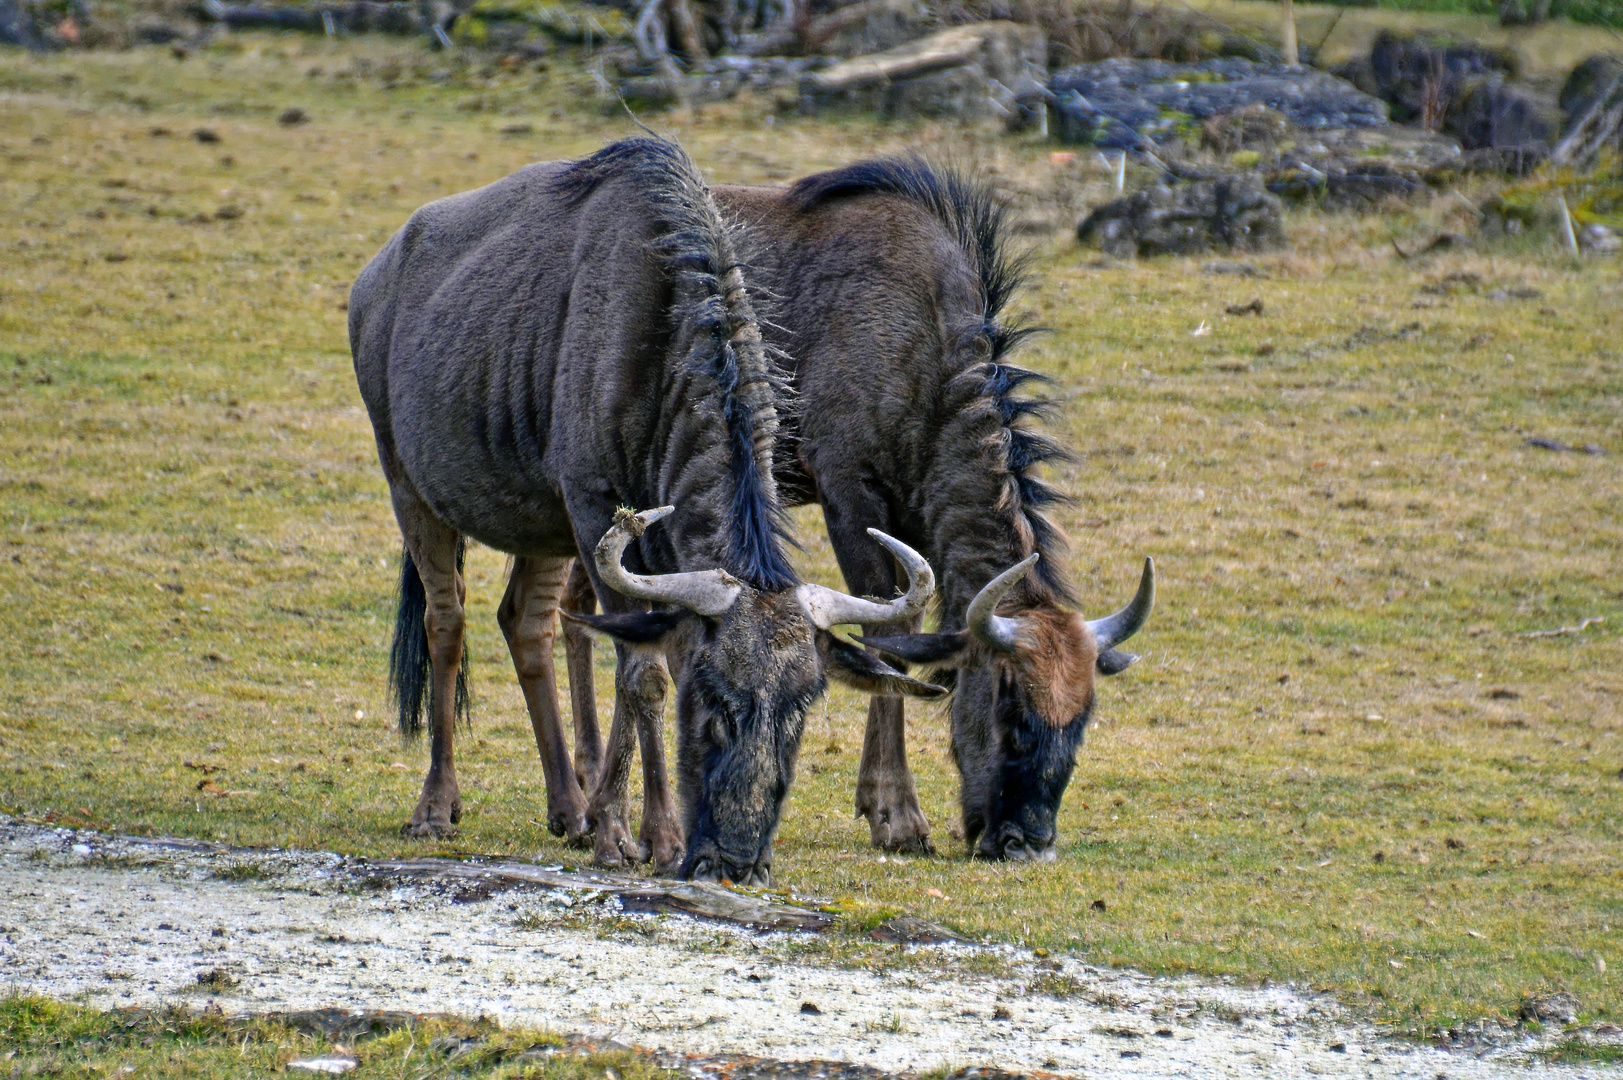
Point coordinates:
[(1016, 773)]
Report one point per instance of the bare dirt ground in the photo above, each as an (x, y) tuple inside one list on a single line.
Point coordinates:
[(114, 922)]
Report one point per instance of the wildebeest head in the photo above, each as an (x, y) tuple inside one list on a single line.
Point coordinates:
[(748, 663), (1025, 692)]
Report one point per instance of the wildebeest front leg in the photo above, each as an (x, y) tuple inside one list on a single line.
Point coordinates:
[(528, 618), (580, 598), (433, 548), (886, 794), (639, 690)]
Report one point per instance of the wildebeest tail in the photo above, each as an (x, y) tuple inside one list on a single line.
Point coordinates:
[(410, 668)]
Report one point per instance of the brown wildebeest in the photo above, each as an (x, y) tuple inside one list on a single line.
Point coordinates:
[(536, 355), (891, 279)]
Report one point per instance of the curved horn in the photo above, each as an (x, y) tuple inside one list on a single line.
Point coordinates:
[(1112, 630), (828, 608), (704, 592), (981, 616)]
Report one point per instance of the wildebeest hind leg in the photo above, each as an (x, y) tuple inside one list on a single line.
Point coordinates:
[(580, 598), (433, 547), (529, 618)]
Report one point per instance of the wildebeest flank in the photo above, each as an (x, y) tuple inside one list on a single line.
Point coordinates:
[(535, 356)]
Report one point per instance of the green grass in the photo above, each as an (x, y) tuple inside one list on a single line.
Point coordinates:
[(46, 1038), (1341, 762)]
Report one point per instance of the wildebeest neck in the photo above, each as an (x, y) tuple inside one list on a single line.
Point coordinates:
[(715, 421)]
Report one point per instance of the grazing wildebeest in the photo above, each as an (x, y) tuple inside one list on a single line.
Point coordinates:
[(891, 278), (536, 355)]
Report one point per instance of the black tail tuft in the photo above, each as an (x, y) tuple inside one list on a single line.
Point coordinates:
[(410, 669)]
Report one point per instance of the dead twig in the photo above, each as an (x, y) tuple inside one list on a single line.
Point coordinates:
[(1558, 631)]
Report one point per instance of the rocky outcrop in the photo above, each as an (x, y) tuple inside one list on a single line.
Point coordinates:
[(1229, 213), (1128, 104), (968, 72)]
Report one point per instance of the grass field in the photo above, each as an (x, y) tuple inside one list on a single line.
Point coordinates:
[(1342, 761), (62, 1040)]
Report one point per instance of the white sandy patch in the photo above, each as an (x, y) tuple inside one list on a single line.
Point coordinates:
[(78, 920)]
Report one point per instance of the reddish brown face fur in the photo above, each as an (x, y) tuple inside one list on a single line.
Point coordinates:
[(1055, 663)]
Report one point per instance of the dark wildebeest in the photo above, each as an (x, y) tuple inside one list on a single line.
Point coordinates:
[(891, 279), (573, 339)]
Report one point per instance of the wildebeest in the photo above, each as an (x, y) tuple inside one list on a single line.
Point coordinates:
[(891, 280), (537, 355)]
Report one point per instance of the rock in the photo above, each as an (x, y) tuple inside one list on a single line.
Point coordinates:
[(1122, 103), (1420, 75), (1560, 1007), (1588, 82), (354, 17), (1509, 118), (1229, 213), (1597, 239), (1523, 12), (1255, 127), (1001, 48), (1592, 104), (869, 26), (912, 930), (967, 72), (17, 26)]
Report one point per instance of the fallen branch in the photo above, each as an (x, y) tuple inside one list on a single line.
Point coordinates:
[(699, 899), (1558, 631)]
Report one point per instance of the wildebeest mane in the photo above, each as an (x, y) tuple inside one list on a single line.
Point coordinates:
[(978, 220), (701, 248)]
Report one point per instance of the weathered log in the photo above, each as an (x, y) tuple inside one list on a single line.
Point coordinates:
[(355, 16), (698, 899), (995, 45)]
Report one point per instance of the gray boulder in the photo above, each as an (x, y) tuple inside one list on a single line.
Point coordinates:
[(1421, 75), (1229, 213), (1589, 82), (1126, 103), (17, 26)]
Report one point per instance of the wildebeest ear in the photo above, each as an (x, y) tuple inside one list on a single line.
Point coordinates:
[(921, 648), (631, 627), (866, 672), (1114, 661)]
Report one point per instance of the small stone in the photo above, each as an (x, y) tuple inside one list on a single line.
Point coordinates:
[(292, 116), (810, 1008), (206, 135), (1560, 1006)]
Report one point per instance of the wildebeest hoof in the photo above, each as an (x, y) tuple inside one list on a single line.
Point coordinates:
[(614, 846), (436, 816), (428, 830), (573, 825), (663, 847), (895, 822)]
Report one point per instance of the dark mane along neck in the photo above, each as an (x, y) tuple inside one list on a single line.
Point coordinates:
[(726, 375), (984, 507)]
